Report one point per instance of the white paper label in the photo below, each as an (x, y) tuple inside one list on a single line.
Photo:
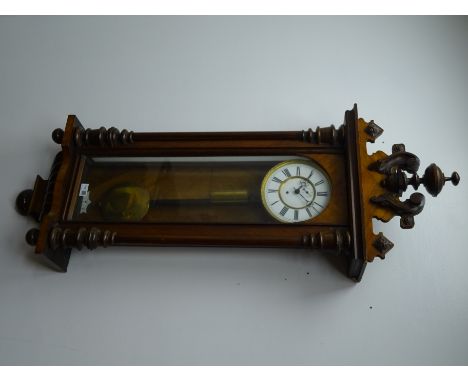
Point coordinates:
[(84, 189), (85, 202)]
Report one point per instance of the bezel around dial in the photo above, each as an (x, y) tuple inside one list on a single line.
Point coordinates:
[(312, 208)]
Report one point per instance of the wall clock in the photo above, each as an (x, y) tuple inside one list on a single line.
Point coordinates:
[(316, 189)]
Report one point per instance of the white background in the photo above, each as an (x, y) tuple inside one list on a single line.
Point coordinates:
[(236, 306)]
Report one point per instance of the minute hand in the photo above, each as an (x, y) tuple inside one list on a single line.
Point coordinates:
[(308, 201)]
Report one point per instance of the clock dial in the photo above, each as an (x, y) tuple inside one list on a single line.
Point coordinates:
[(295, 191)]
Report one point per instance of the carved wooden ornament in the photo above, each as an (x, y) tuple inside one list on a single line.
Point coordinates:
[(316, 189)]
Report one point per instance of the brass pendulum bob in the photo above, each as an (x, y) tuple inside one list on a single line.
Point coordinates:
[(129, 203)]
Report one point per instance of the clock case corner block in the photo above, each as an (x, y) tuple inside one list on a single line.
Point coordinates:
[(364, 187)]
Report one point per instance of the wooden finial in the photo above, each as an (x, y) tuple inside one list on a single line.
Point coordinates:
[(31, 236), (57, 136), (434, 179)]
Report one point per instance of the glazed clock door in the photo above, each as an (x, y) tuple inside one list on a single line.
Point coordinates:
[(211, 190)]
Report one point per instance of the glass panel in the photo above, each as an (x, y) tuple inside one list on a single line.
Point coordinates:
[(190, 190)]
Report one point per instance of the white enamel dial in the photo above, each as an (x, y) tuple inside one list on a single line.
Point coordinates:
[(295, 191)]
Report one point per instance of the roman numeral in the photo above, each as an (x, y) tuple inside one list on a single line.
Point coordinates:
[(286, 173), (311, 173), (284, 210), (308, 212), (318, 204), (270, 191), (316, 210), (322, 193), (275, 179), (298, 171), (319, 182), (296, 214), (272, 204)]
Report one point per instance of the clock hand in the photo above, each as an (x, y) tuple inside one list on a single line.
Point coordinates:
[(297, 191), (304, 198), (302, 185)]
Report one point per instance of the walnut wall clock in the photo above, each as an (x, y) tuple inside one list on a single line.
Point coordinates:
[(316, 189)]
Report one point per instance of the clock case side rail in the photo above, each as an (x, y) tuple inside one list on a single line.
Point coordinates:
[(111, 141), (79, 235)]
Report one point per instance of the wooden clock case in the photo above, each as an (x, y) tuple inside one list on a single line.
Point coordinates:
[(364, 187)]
